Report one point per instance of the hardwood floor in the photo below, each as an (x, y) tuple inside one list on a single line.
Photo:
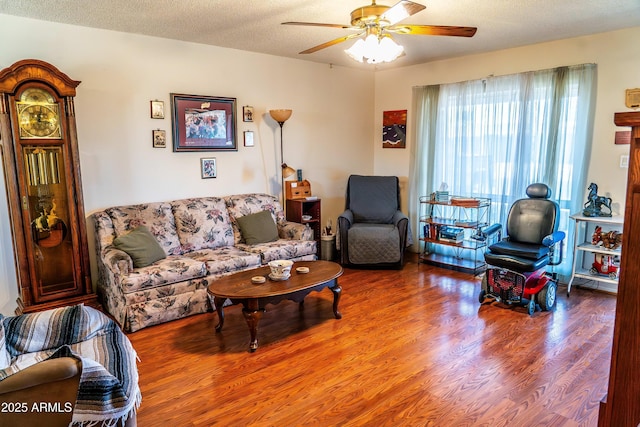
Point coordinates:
[(414, 348)]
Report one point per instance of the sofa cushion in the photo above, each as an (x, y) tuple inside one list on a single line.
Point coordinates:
[(158, 218), (245, 204), (258, 228), (202, 223), (281, 249), (225, 260), (141, 246), (174, 268), (5, 358)]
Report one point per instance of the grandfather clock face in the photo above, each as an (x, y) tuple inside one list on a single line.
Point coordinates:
[(38, 115)]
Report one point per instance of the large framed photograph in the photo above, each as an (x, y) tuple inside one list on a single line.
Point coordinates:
[(208, 167), (203, 123)]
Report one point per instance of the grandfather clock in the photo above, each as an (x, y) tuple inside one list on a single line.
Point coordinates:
[(42, 178)]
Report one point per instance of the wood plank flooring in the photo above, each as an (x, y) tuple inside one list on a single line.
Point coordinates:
[(414, 348)]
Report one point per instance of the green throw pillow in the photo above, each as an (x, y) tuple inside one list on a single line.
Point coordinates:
[(258, 228), (141, 246)]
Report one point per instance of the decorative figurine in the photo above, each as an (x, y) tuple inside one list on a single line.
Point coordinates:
[(594, 204), (608, 239)]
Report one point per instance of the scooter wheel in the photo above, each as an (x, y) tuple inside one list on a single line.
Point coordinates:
[(547, 296), (531, 307)]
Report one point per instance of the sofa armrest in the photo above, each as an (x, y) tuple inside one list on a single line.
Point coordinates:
[(294, 231), (119, 262)]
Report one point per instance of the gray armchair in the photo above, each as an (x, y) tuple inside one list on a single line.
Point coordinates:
[(372, 230)]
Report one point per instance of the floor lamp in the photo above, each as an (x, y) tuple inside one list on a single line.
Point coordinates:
[(282, 116)]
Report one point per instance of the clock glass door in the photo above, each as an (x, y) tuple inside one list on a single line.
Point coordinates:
[(46, 209)]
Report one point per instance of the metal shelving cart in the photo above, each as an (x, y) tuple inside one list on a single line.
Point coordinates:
[(466, 215)]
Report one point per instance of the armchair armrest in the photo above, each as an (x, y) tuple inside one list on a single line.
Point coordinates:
[(399, 216), (53, 381), (42, 373), (346, 218)]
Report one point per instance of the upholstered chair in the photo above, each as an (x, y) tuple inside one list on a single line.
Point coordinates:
[(372, 231)]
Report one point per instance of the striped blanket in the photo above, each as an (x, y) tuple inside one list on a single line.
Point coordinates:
[(109, 390)]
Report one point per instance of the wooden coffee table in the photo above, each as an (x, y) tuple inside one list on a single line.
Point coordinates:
[(254, 297)]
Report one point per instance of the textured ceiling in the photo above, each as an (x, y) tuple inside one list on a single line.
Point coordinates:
[(255, 25)]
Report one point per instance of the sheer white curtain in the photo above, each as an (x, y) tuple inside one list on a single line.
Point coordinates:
[(493, 137)]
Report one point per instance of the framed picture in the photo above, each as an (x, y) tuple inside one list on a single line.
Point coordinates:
[(247, 113), (208, 167), (203, 123), (394, 129), (248, 138), (159, 138), (157, 109)]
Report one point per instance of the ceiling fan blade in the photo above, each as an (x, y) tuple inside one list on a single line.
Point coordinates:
[(330, 43), (433, 30), (317, 24), (401, 10)]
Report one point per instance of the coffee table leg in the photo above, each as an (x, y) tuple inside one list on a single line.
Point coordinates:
[(218, 303), (337, 291), (252, 314)]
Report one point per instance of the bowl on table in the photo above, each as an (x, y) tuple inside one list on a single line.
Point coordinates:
[(280, 269)]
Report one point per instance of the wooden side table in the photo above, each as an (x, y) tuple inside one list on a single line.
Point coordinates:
[(296, 208)]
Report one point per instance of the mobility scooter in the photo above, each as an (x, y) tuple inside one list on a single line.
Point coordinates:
[(517, 265)]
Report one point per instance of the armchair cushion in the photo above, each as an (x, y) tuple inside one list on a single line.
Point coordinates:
[(373, 199), (141, 246), (374, 244)]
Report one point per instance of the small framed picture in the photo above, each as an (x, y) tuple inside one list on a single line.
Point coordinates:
[(247, 113), (159, 138), (157, 109), (208, 167), (248, 138)]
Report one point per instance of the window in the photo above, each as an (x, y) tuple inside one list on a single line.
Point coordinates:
[(493, 137)]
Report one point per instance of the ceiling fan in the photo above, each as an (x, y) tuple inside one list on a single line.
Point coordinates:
[(379, 20)]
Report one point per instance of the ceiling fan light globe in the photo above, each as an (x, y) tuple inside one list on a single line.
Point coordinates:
[(389, 50), (356, 51), (370, 46)]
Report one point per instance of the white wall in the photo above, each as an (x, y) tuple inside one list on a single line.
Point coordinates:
[(328, 136), (616, 53)]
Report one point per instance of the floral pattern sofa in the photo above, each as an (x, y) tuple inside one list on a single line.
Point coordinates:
[(202, 242)]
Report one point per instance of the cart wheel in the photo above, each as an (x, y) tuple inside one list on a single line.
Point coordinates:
[(613, 276), (531, 307), (547, 296)]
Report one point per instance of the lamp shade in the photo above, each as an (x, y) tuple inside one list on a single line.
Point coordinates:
[(280, 116), (287, 171)]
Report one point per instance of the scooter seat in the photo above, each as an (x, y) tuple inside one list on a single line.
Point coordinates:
[(520, 250), (515, 263)]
